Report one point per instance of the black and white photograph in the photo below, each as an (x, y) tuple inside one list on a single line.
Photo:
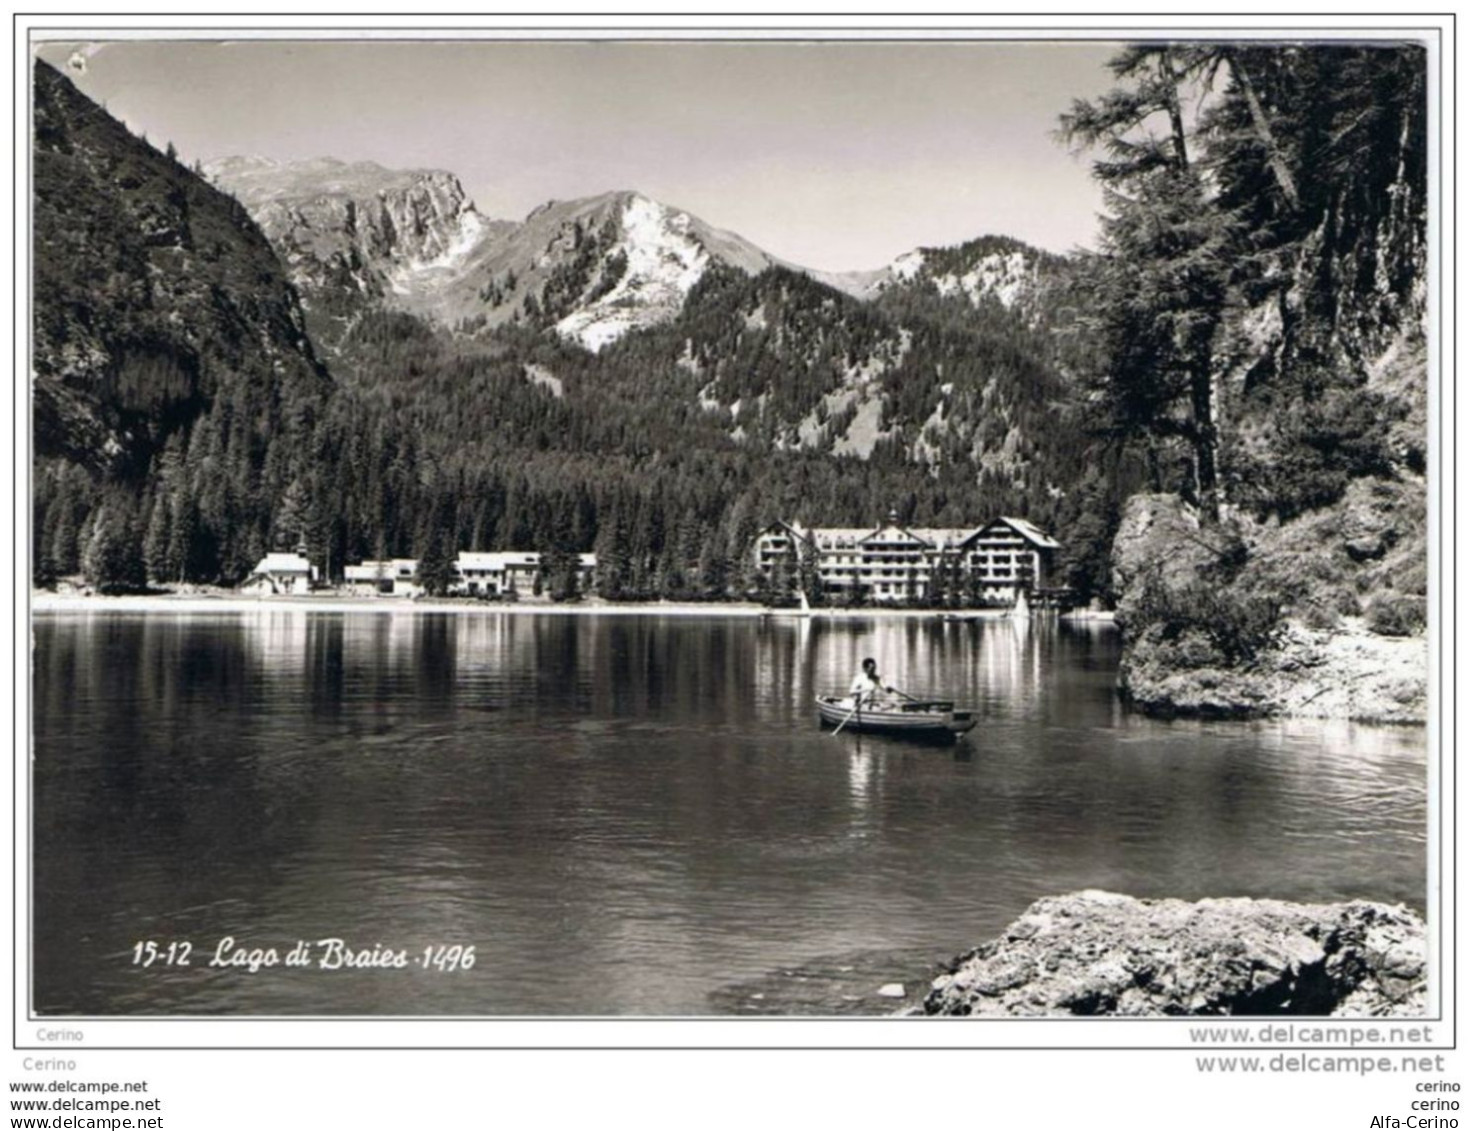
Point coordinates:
[(885, 527)]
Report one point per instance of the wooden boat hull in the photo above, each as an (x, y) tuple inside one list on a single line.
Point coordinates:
[(919, 720)]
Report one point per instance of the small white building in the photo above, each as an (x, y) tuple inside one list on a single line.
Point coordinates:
[(389, 577), (495, 573), (281, 574), (477, 573), (501, 573)]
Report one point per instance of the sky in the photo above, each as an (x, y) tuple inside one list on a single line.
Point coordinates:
[(835, 156)]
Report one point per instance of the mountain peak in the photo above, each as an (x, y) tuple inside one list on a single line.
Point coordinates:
[(592, 268), (257, 180), (989, 268)]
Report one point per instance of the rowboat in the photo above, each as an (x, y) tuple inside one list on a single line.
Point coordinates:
[(919, 718)]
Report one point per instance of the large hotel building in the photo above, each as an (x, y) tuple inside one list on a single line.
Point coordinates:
[(990, 564)]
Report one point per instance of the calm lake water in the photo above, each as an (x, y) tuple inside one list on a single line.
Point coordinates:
[(623, 814)]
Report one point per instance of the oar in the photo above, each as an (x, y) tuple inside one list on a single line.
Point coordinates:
[(911, 698), (856, 710), (942, 704)]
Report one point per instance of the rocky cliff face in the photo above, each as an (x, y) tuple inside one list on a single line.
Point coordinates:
[(599, 267), (153, 292), (592, 269), (1098, 953), (351, 233)]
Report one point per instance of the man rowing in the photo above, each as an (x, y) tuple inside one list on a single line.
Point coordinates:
[(868, 689)]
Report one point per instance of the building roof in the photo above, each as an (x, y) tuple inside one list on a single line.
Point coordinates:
[(842, 537), (825, 536), (283, 563), (1028, 531), (929, 535), (388, 568), (491, 560), (892, 533), (476, 559), (787, 527), (496, 559), (943, 537)]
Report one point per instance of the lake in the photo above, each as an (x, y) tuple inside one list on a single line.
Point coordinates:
[(629, 814)]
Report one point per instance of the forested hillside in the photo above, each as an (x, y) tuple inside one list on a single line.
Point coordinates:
[(175, 389), (768, 397)]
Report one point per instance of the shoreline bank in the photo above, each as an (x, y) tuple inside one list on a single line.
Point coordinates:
[(47, 602), (1101, 953), (1347, 673)]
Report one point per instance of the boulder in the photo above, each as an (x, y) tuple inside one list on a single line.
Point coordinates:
[(1099, 953)]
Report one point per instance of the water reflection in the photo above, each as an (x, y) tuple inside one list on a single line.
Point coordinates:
[(860, 770), (644, 802), (997, 664)]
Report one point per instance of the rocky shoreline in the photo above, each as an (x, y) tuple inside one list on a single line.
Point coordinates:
[(1349, 673), (1096, 953), (1247, 620), (1102, 954)]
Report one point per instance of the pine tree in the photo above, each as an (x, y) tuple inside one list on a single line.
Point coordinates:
[(289, 527), (612, 556), (1159, 284), (43, 562), (184, 558), (156, 541), (436, 552), (113, 559), (65, 517)]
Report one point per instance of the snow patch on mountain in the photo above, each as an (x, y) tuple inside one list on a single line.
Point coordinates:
[(926, 447), (540, 375), (812, 429), (1006, 278), (454, 247), (907, 266), (688, 362), (664, 261), (865, 430), (708, 402), (1005, 458)]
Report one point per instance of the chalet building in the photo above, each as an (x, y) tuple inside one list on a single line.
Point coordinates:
[(390, 577), (892, 564), (497, 573), (281, 574)]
